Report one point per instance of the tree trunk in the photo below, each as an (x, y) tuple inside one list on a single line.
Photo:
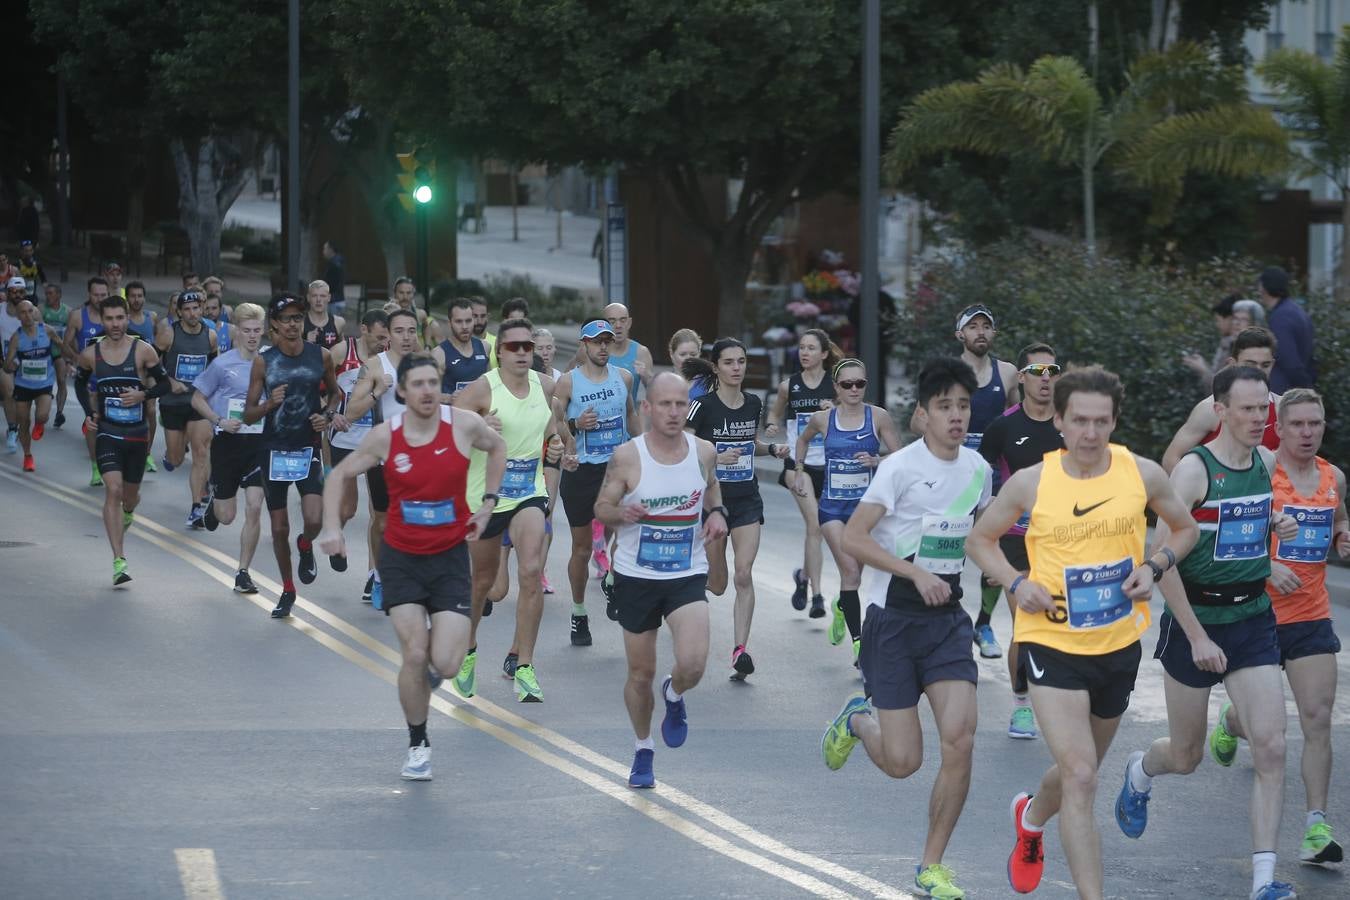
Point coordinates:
[(1094, 39), (135, 222), (733, 268), (212, 172), (1343, 287), (1164, 24), (1089, 209), (310, 240)]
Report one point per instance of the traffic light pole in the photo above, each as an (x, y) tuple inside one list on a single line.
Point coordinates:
[(422, 280)]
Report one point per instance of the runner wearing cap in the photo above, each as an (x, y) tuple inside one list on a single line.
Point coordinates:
[(287, 388), (56, 314), (28, 361), (112, 273), (16, 293), (424, 451), (30, 269), (84, 326), (461, 356), (187, 346), (595, 400), (219, 396)]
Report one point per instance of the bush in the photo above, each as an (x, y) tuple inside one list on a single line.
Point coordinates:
[(1137, 320)]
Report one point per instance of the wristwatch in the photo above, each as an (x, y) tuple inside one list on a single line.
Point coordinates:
[(490, 496), (572, 426), (1157, 570), (722, 510)]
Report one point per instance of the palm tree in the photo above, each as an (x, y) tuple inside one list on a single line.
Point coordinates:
[(1313, 98), (1179, 112)]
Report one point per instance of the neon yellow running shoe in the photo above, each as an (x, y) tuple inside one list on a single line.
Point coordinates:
[(527, 686), (95, 476), (936, 881), (1319, 846), (150, 464), (1222, 745), (838, 627), (128, 516), (857, 649), (465, 679), (120, 575), (839, 740)]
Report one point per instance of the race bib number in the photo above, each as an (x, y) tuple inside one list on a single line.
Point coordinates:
[(666, 549), (973, 440), (189, 366), (519, 479), (743, 469), (120, 413), (290, 465), (846, 479), (1243, 524), (461, 385), (1314, 534), (34, 369), (942, 547), (817, 441), (1094, 593), (235, 411), (605, 437), (428, 513)]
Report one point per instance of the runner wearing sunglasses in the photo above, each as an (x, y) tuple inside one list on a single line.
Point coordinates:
[(1016, 440), (800, 397), (518, 403), (728, 417), (853, 433)]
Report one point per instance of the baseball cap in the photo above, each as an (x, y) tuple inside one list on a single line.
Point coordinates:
[(17, 282), (112, 264), (279, 303), (979, 309), (24, 245), (189, 297), (592, 330)]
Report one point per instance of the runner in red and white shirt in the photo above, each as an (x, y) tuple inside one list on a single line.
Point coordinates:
[(424, 562)]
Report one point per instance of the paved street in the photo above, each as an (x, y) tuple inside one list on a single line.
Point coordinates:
[(169, 739)]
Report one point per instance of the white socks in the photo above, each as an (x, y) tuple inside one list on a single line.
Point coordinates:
[(645, 744), (1020, 700), (1139, 779), (1263, 870), (1315, 817), (670, 692), (1026, 823)]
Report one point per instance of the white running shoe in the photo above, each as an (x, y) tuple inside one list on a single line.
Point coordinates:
[(418, 766)]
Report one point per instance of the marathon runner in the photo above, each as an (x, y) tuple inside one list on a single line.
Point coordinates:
[(1218, 626), (375, 390), (321, 326), (30, 269), (518, 403), (853, 435), (16, 293), (1082, 582), (997, 378), (214, 317), (114, 367), (220, 395), (405, 297), (462, 357), (596, 401), (1016, 440), (56, 314), (728, 418), (423, 560), (112, 273), (545, 348), (801, 396), (1311, 490), (655, 488), (28, 360), (142, 323), (349, 359), (285, 387), (1253, 347), (187, 346), (910, 531), (480, 322), (85, 325), (685, 344)]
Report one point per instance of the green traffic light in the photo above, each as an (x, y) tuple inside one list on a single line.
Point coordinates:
[(422, 194)]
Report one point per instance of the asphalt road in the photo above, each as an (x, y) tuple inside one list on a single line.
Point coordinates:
[(168, 739)]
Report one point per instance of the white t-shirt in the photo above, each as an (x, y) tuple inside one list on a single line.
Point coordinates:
[(930, 506)]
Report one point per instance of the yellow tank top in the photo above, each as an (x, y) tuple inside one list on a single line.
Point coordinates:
[(524, 423), (1085, 537)]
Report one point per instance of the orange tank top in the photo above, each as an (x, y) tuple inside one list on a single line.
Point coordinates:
[(1305, 555)]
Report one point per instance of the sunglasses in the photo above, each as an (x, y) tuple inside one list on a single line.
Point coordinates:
[(855, 384), (517, 346), (1037, 370), (290, 320)]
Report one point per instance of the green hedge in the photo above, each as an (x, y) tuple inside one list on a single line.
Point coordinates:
[(1136, 319), (557, 305)]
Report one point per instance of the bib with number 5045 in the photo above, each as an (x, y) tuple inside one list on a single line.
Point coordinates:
[(942, 546), (1094, 593)]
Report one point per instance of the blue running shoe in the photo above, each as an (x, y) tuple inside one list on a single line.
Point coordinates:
[(377, 595), (674, 727), (168, 466), (642, 776), (1275, 890), (1132, 805)]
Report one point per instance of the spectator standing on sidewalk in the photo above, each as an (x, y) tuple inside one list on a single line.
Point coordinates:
[(1293, 330)]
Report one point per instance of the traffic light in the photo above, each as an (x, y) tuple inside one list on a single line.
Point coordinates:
[(416, 180)]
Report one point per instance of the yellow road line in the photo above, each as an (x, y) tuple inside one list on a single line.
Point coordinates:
[(197, 871), (622, 794)]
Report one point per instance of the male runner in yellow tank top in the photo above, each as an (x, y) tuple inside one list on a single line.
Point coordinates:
[(1081, 608)]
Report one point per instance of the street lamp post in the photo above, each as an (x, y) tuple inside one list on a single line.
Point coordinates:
[(869, 316)]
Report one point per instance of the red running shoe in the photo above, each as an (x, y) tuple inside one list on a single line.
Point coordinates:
[(28, 463), (39, 430), (1027, 861)]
